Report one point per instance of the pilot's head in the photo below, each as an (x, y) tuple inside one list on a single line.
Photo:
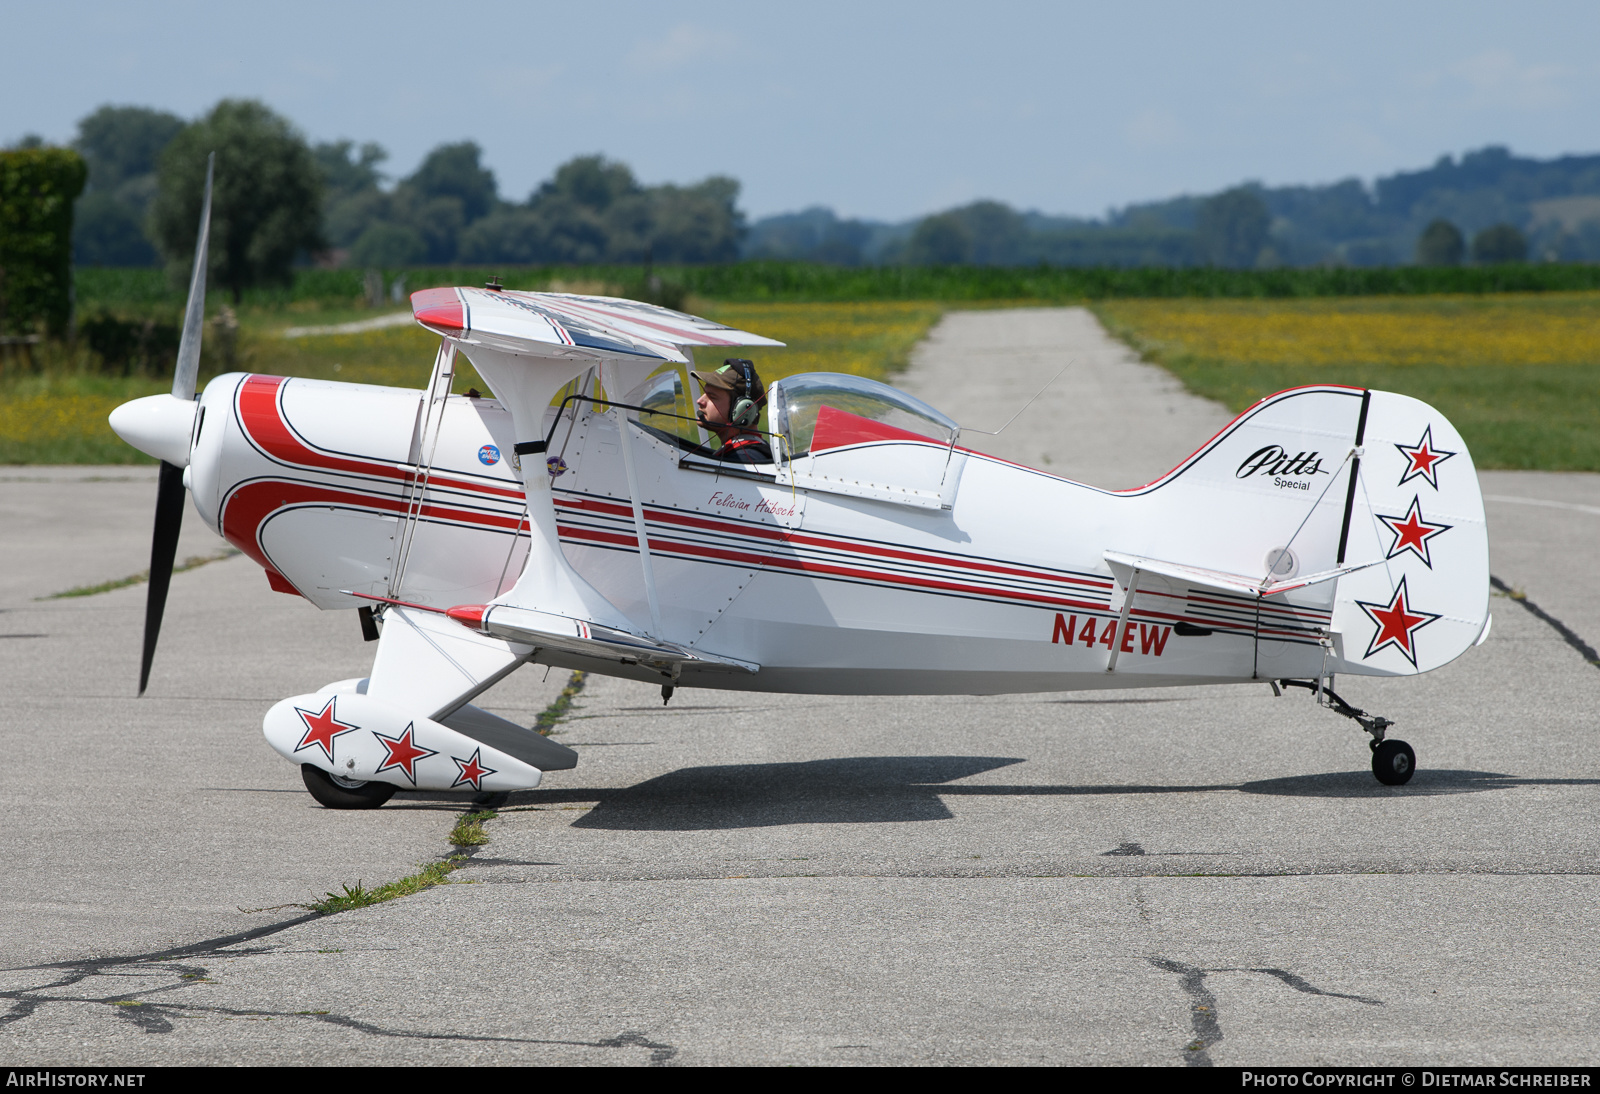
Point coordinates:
[(731, 396)]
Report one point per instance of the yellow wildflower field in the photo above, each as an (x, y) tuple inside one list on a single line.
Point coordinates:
[(869, 339), (61, 423), (1518, 374), (56, 413)]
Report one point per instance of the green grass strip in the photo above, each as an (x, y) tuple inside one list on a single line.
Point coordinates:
[(193, 562), (469, 830), (557, 710), (359, 896)]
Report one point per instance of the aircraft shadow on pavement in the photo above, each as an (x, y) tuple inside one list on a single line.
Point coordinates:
[(848, 790), (1427, 782), (881, 789)]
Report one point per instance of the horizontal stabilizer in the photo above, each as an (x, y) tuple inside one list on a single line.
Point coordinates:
[(534, 749), (1123, 565), (427, 666), (548, 631)]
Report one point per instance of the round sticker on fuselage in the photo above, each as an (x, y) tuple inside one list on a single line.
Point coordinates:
[(488, 455)]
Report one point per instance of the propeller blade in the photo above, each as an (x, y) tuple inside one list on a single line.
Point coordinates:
[(169, 491), (163, 550), (187, 375)]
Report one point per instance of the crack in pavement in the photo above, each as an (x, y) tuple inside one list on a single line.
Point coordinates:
[(1202, 1011), (1203, 1004), (159, 1017), (1298, 984), (1568, 635), (169, 972)]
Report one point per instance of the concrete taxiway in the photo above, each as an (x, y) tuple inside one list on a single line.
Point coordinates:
[(1185, 876)]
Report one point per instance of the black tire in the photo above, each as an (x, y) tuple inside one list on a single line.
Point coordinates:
[(1393, 762), (367, 795)]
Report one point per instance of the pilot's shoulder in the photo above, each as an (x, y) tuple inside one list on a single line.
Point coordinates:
[(746, 450)]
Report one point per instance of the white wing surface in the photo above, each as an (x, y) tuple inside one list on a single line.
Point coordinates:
[(566, 325)]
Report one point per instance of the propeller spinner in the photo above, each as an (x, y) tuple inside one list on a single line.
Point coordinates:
[(162, 426)]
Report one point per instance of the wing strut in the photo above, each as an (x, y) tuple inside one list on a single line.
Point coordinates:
[(431, 418), (625, 441), (1122, 620)]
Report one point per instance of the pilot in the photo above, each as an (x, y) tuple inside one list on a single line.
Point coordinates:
[(730, 405)]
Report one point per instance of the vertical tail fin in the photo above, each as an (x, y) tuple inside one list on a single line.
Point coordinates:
[(1320, 479), (1417, 506)]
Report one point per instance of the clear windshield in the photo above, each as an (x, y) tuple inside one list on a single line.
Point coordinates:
[(829, 409), (669, 412)]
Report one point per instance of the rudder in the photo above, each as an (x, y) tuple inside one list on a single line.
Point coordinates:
[(1316, 479), (1416, 506)]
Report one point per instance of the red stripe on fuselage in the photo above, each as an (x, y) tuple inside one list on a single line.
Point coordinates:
[(249, 506), (783, 535), (261, 414), (767, 562)]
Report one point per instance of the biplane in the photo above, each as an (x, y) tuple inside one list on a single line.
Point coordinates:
[(577, 516)]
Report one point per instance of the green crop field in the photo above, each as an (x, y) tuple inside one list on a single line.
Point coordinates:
[(148, 291)]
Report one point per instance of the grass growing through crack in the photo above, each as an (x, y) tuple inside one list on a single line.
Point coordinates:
[(190, 563), (469, 830), (359, 896), (563, 702)]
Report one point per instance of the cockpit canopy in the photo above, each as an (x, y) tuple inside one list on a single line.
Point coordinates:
[(828, 431), (815, 411), (806, 413)]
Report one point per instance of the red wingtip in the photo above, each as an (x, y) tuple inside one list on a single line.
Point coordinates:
[(439, 308), (469, 615)]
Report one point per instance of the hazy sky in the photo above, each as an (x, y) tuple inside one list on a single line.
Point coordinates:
[(883, 110)]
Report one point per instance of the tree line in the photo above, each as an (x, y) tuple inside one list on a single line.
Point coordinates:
[(280, 199), (1236, 229), (1490, 198)]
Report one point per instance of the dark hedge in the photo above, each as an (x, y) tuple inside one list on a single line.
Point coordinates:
[(37, 189)]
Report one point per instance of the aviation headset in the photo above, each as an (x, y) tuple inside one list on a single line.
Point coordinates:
[(746, 410)]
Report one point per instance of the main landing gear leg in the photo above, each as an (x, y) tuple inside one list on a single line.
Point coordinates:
[(1393, 762)]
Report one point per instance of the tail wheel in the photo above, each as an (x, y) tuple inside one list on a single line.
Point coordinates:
[(337, 793), (1393, 762)]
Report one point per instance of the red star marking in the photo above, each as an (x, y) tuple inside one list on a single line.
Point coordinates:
[(471, 771), (1423, 459), (321, 728), (403, 753), (1411, 533), (1398, 624)]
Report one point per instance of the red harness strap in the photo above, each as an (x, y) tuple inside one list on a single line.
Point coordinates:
[(742, 441)]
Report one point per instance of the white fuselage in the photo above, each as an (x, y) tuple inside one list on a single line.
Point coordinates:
[(1004, 590)]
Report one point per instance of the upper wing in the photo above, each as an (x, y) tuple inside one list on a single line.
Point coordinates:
[(604, 326)]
